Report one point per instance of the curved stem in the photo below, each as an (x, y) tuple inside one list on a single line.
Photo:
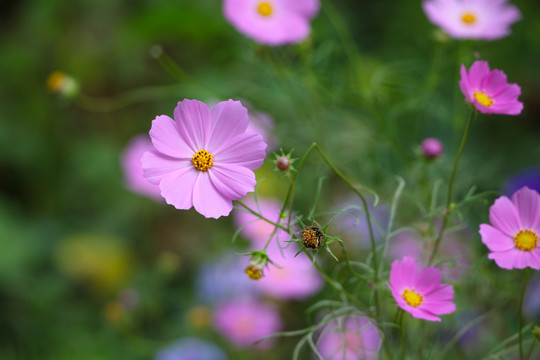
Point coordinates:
[(260, 216), (402, 326), (520, 315), (450, 188)]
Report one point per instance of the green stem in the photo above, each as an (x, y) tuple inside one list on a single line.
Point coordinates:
[(421, 340), (260, 216), (532, 348), (402, 326), (450, 188), (520, 318)]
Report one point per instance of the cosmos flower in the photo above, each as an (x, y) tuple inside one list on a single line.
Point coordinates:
[(431, 148), (350, 338), (191, 348), (420, 292), (243, 322), (291, 277), (489, 91), (272, 22), (133, 171), (472, 19), (204, 159), (513, 236)]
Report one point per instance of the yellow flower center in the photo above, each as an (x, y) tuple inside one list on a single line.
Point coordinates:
[(412, 297), (483, 99), (265, 9), (468, 18), (526, 240), (203, 160)]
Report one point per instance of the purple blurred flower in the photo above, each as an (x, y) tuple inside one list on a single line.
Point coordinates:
[(222, 279), (472, 19), (432, 148), (489, 91), (350, 338), (191, 349), (353, 224), (133, 171), (243, 322), (528, 177), (531, 305), (272, 22)]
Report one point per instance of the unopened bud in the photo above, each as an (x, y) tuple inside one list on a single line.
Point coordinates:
[(432, 148), (537, 332), (257, 263), (60, 82), (283, 163), (312, 237)]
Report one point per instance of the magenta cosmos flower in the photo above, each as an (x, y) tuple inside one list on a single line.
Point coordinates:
[(272, 22), (204, 158), (513, 236), (472, 19), (420, 292), (133, 171), (489, 91), (350, 338), (245, 322)]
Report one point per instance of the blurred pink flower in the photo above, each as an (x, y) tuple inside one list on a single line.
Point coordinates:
[(272, 22), (204, 158), (432, 148), (420, 292), (472, 19), (513, 238), (292, 277), (489, 91), (133, 170), (350, 338), (244, 322)]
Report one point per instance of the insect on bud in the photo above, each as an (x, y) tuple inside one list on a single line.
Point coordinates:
[(312, 237), (283, 163)]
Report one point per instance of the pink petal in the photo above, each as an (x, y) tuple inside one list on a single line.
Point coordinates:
[(420, 313), (534, 260), (503, 215), (442, 293), (478, 71), (505, 259), (494, 82), (307, 8), (193, 121), (464, 84), (527, 203), (167, 140), (246, 150), (428, 279), (508, 93), (207, 200), (403, 273), (157, 166), (232, 181), (494, 239), (439, 307), (177, 187), (229, 119)]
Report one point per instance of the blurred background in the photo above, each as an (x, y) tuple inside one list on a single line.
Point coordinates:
[(92, 267)]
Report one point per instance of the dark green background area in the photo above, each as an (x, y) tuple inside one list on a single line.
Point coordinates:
[(60, 177)]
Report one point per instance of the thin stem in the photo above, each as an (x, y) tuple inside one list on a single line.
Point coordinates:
[(450, 188), (402, 326), (421, 340), (260, 216), (520, 318), (532, 348)]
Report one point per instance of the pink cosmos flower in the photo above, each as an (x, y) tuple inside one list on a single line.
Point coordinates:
[(351, 338), (292, 277), (204, 158), (133, 171), (472, 19), (420, 292), (489, 91), (513, 238), (245, 322), (272, 22)]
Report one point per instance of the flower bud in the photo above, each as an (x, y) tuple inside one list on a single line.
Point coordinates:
[(257, 263), (60, 82), (432, 148), (283, 163), (537, 332), (312, 237)]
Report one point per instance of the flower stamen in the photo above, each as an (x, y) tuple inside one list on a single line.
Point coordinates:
[(483, 99), (526, 240), (202, 160), (468, 18), (265, 9), (412, 297)]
